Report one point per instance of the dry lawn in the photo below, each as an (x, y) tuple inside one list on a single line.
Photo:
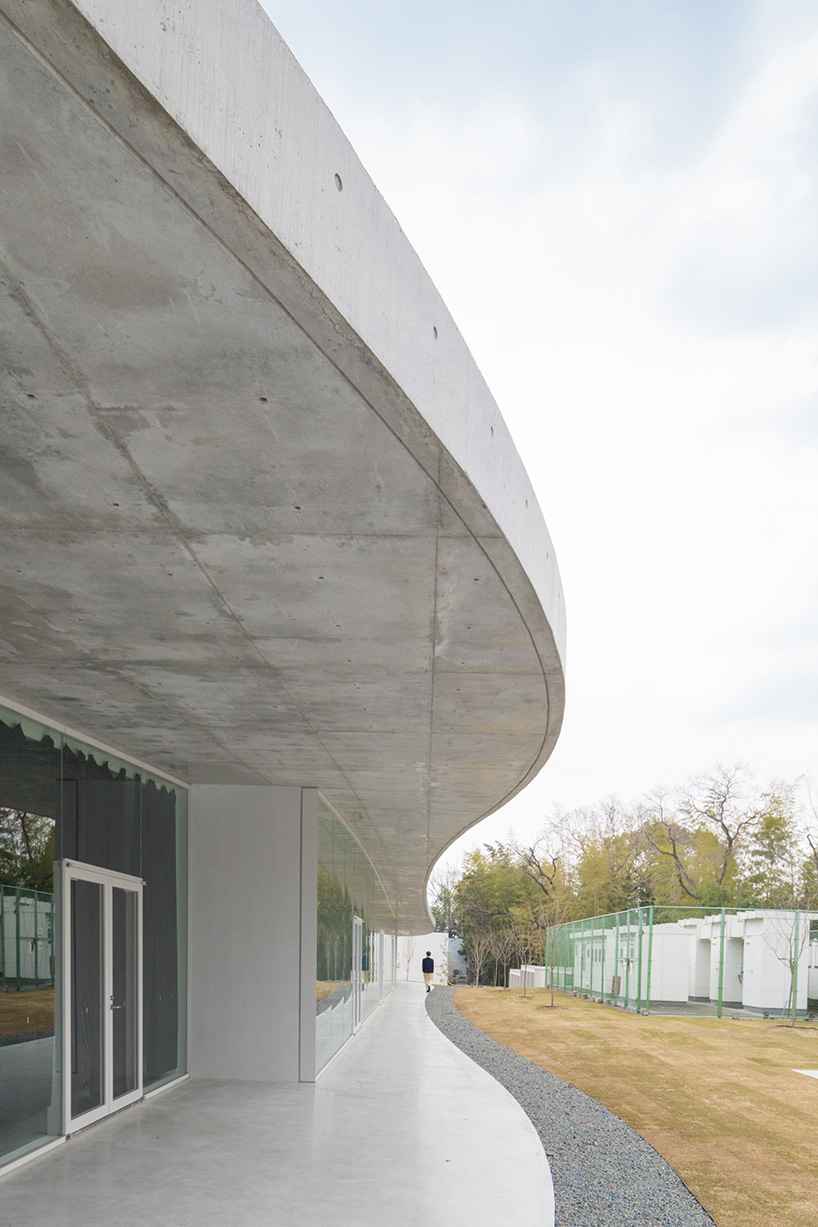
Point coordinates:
[(27, 1011), (718, 1098)]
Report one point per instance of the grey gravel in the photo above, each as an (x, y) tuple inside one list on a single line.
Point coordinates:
[(605, 1174)]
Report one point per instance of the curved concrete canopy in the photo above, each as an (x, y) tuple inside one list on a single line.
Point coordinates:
[(261, 519)]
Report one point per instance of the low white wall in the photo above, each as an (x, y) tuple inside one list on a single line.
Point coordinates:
[(535, 976), (252, 933)]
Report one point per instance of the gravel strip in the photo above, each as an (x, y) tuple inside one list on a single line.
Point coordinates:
[(605, 1174)]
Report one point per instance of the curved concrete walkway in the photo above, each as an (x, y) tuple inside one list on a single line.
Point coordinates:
[(401, 1130)]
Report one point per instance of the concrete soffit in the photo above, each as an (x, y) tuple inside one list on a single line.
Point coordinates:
[(239, 547)]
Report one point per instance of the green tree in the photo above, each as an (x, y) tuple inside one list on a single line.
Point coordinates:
[(491, 886), (612, 861)]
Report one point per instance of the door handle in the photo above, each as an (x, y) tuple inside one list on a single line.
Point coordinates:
[(117, 1007)]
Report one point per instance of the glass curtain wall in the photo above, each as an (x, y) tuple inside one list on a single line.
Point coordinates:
[(61, 798), (354, 971)]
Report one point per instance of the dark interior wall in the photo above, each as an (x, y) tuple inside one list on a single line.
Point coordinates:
[(119, 821), (160, 930)]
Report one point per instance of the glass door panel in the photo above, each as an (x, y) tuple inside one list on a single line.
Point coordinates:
[(124, 994), (103, 956), (87, 1021)]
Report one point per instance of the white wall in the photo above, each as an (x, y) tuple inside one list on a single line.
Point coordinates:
[(756, 949), (767, 976), (253, 886), (670, 965), (412, 951)]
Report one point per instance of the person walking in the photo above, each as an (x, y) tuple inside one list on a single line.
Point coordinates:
[(428, 966)]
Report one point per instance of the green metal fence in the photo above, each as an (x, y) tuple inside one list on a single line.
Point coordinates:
[(26, 938), (705, 961)]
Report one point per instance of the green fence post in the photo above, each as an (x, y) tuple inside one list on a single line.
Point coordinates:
[(616, 976), (795, 968), (52, 922), (639, 967), (588, 980), (17, 933), (650, 956), (721, 962), (602, 960), (36, 947), (3, 936)]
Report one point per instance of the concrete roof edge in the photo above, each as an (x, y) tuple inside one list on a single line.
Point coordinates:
[(227, 78)]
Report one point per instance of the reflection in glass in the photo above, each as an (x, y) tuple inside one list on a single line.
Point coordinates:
[(354, 966), (62, 798), (124, 998), (87, 1071), (164, 863), (30, 1098)]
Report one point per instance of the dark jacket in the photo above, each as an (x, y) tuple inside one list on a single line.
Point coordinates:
[(428, 965)]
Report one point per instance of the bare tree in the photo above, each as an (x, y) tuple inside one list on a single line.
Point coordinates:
[(720, 801), (722, 805), (542, 862), (501, 944), (663, 833), (810, 836), (545, 864), (477, 951), (409, 948), (788, 938), (442, 897), (522, 931)]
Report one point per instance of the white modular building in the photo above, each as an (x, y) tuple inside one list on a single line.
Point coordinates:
[(752, 960)]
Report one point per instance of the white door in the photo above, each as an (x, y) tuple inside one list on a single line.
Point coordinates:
[(102, 961)]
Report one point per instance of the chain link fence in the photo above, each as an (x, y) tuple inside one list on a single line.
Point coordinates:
[(687, 960)]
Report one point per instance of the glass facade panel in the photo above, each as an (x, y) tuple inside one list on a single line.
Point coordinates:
[(87, 1005), (356, 925), (30, 1069), (125, 995), (62, 798), (164, 934)]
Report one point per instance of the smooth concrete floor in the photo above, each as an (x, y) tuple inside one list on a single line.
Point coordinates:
[(401, 1129)]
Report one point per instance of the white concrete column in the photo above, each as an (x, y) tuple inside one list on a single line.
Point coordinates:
[(252, 932)]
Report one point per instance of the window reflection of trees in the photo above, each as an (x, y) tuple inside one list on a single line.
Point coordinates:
[(26, 849), (352, 907), (336, 913), (334, 952)]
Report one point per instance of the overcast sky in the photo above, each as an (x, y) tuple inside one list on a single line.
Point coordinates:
[(618, 200)]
